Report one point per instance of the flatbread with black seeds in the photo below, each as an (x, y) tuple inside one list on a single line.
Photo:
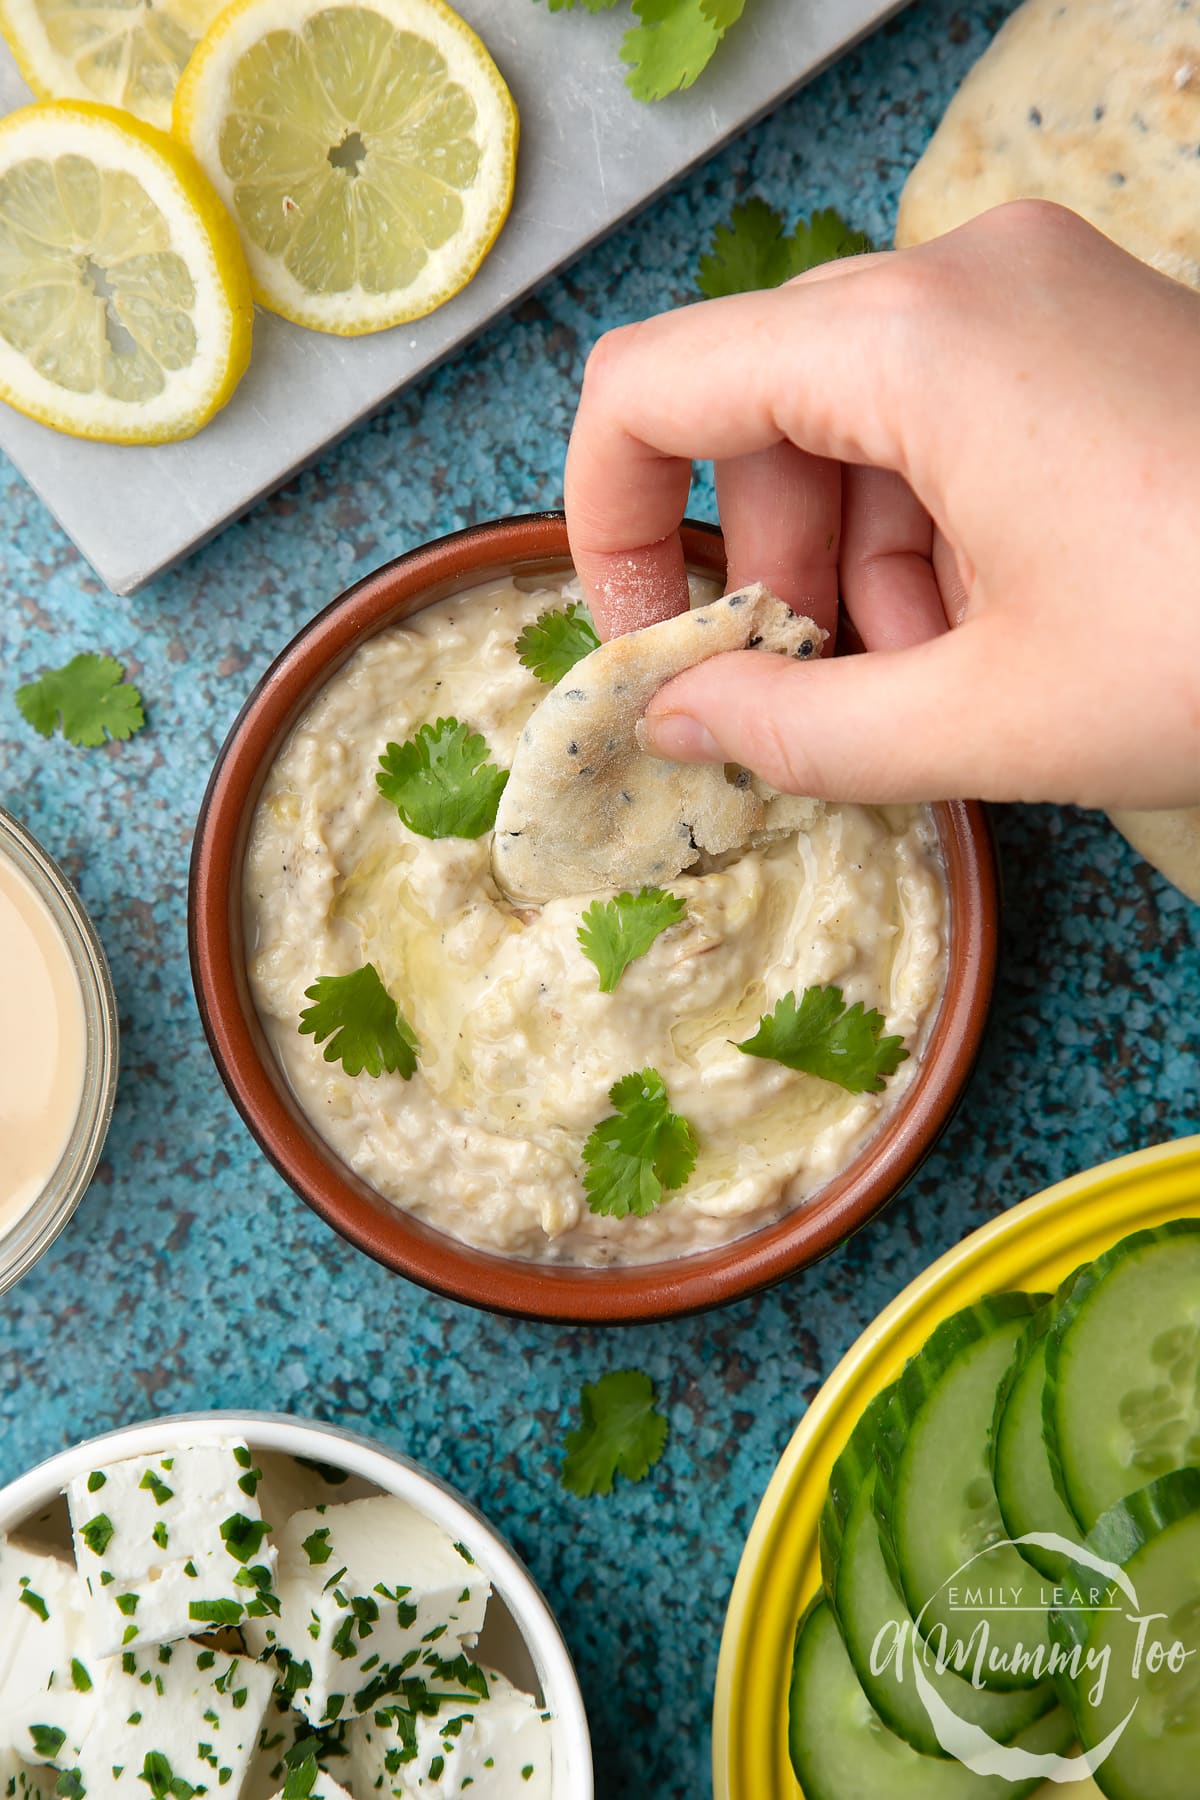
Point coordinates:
[(586, 808), (1093, 103)]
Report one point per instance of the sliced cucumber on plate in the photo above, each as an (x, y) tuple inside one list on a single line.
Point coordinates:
[(841, 1750), (1122, 1401), (1028, 1499), (1019, 1415), (935, 1501), (874, 1619), (1146, 1642)]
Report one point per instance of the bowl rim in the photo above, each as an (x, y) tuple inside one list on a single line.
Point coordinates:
[(396, 1474), (1033, 1244), (627, 1293), (30, 1234)]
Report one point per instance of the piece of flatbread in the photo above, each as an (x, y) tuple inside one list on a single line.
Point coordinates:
[(587, 808), (1093, 103), (1169, 841)]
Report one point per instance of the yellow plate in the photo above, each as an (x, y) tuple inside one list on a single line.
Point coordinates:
[(1034, 1245)]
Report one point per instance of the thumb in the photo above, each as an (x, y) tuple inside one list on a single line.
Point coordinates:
[(946, 719)]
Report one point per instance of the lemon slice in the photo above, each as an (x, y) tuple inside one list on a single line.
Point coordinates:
[(125, 305), (366, 151), (123, 53)]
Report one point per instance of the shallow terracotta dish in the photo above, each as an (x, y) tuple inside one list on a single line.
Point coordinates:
[(531, 546)]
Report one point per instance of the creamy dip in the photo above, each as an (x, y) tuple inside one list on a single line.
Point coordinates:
[(42, 1045), (518, 1046)]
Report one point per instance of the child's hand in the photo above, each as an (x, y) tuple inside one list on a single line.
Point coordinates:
[(991, 447)]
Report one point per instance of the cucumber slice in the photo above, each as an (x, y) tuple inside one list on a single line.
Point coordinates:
[(1154, 1535), (1122, 1396), (1024, 1481), (936, 1504), (872, 1615), (840, 1750)]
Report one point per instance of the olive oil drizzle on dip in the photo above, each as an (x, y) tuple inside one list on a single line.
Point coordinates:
[(518, 1047), (42, 1045)]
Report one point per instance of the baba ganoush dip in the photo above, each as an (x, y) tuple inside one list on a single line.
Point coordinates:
[(518, 1047)]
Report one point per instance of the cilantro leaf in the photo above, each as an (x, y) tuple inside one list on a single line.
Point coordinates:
[(639, 1153), (615, 932), (674, 43), (365, 1027), (301, 1779), (754, 251), (556, 641), (441, 783), (823, 1036), (592, 6), (88, 695), (621, 1432)]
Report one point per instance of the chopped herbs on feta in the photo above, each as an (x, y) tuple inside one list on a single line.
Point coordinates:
[(170, 1544), (369, 1610), (131, 1673), (177, 1726), (44, 1641)]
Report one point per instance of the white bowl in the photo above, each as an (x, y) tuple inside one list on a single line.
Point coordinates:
[(520, 1636)]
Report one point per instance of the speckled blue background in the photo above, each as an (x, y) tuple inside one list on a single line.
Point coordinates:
[(191, 1277)]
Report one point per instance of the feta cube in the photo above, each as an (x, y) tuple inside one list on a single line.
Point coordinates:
[(291, 1485), (169, 1545), (49, 1673), (284, 1739), (369, 1593), (500, 1744), (176, 1713), (324, 1788), (18, 1781)]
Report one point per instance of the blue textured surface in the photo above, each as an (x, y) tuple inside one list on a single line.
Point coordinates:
[(191, 1277)]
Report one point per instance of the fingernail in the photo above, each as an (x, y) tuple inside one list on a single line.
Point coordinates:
[(679, 738)]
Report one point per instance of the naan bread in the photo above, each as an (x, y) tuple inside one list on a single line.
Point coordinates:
[(1093, 103), (1169, 841), (586, 808)]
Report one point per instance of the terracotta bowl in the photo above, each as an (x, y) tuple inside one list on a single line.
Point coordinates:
[(532, 546)]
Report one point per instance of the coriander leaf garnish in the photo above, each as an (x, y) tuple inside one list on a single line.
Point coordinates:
[(441, 782), (640, 1152), (620, 1433), (556, 641), (823, 1036), (365, 1027), (88, 695), (97, 1533), (754, 251), (162, 1781), (301, 1779), (615, 932), (33, 1601), (674, 43), (242, 1537), (316, 1545), (215, 1612)]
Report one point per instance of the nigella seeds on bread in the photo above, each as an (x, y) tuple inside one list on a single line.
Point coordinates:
[(587, 808)]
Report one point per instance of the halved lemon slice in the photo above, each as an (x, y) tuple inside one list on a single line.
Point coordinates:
[(125, 305), (126, 53), (366, 151)]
